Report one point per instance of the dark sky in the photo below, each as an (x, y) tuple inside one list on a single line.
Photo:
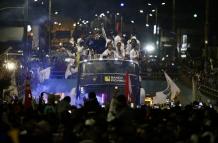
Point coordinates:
[(86, 9)]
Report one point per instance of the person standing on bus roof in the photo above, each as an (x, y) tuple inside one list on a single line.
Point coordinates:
[(120, 50), (129, 44), (134, 53), (109, 52)]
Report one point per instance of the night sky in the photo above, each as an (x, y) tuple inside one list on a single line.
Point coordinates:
[(86, 9)]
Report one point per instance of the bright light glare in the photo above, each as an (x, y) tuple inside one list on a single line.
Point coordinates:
[(149, 4), (29, 28), (56, 13), (122, 4), (149, 48), (101, 15), (163, 3), (132, 21), (67, 60), (183, 56), (10, 66), (141, 11), (195, 15)]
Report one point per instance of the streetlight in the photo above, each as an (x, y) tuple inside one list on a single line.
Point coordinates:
[(56, 12), (149, 48), (29, 28), (147, 25), (163, 3), (11, 66), (195, 15), (141, 11)]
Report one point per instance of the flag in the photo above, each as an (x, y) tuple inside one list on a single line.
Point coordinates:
[(44, 74), (128, 88), (28, 94), (174, 89), (118, 23), (118, 27), (160, 98)]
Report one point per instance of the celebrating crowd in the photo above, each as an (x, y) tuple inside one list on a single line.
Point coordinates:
[(58, 121), (98, 45)]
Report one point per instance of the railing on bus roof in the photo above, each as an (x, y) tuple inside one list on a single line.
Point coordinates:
[(108, 59)]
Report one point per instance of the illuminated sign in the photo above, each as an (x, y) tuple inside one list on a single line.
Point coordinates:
[(114, 79), (107, 79)]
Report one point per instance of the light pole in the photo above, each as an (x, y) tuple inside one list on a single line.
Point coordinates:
[(174, 16), (49, 26), (206, 25)]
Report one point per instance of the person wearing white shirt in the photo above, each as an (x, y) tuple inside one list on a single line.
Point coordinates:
[(134, 53), (109, 52), (72, 69), (117, 38), (120, 50)]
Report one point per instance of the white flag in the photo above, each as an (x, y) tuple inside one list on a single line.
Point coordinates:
[(44, 74), (160, 98), (174, 89)]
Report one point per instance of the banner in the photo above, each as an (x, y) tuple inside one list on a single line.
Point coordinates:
[(174, 89), (128, 88), (44, 74), (160, 98)]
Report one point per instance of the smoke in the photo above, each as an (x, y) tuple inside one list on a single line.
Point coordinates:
[(55, 86), (40, 20)]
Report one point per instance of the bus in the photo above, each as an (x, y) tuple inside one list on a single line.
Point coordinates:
[(107, 77)]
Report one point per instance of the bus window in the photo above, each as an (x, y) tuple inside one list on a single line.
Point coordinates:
[(105, 76)]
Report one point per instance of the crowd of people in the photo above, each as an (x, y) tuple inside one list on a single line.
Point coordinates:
[(59, 122), (100, 45), (97, 45)]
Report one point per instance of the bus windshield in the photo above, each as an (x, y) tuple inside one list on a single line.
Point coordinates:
[(109, 66)]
